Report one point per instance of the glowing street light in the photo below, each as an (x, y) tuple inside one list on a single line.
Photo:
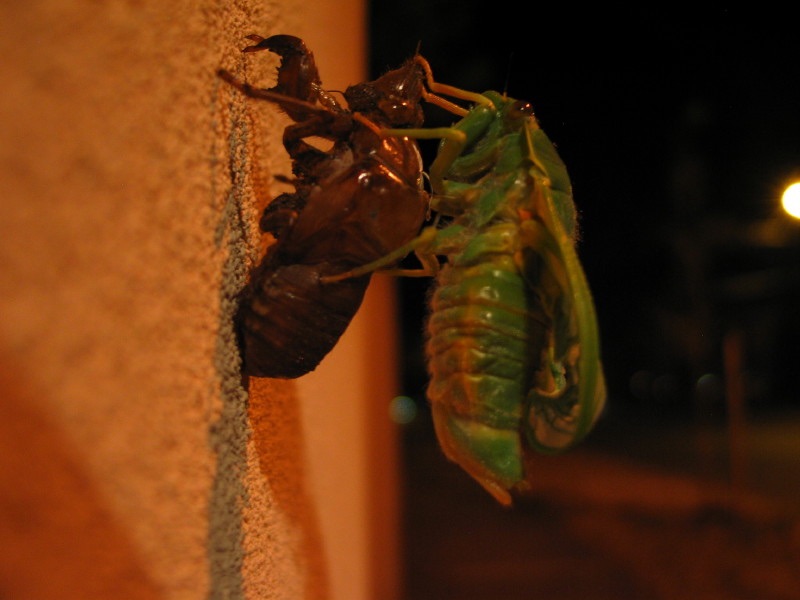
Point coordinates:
[(791, 200)]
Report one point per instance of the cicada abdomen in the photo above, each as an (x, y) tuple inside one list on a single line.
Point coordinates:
[(352, 204), (288, 324)]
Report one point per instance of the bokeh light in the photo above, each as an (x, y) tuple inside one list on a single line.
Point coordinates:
[(403, 410)]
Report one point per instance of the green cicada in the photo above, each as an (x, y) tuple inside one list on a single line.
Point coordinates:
[(512, 348)]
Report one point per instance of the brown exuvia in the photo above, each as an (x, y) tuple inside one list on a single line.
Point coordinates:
[(351, 205)]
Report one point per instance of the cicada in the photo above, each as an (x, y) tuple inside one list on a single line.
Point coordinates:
[(353, 203), (512, 345)]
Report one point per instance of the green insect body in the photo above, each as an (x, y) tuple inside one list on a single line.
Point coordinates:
[(513, 349)]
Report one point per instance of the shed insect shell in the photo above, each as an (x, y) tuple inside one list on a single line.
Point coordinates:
[(512, 348), (352, 204)]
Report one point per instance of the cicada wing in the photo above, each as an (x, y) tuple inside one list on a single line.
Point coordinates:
[(569, 391)]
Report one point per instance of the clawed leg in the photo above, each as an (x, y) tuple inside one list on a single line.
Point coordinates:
[(296, 108), (312, 120), (298, 76)]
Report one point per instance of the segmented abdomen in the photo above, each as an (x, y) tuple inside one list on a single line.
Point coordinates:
[(290, 320), (484, 339)]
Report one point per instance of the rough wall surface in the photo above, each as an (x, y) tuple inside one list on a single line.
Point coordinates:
[(132, 463)]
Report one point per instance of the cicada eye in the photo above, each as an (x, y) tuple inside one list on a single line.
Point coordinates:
[(520, 109)]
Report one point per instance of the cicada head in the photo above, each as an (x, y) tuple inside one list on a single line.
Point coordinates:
[(392, 100)]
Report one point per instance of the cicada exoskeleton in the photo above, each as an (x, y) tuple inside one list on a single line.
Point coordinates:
[(352, 203)]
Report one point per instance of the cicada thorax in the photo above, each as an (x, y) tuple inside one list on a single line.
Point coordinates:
[(352, 204), (367, 201)]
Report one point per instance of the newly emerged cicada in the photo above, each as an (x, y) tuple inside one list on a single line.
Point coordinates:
[(352, 204), (512, 341)]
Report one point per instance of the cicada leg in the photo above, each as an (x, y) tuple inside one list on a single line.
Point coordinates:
[(313, 120), (297, 75), (422, 246), (455, 139), (449, 90), (284, 100)]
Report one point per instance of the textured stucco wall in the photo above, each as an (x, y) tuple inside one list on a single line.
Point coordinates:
[(131, 463)]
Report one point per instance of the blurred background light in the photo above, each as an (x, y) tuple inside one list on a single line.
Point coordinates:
[(402, 410), (791, 200)]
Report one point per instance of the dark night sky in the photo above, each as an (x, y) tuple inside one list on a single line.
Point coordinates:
[(667, 125)]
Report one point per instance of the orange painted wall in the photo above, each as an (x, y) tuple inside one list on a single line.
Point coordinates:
[(133, 464)]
